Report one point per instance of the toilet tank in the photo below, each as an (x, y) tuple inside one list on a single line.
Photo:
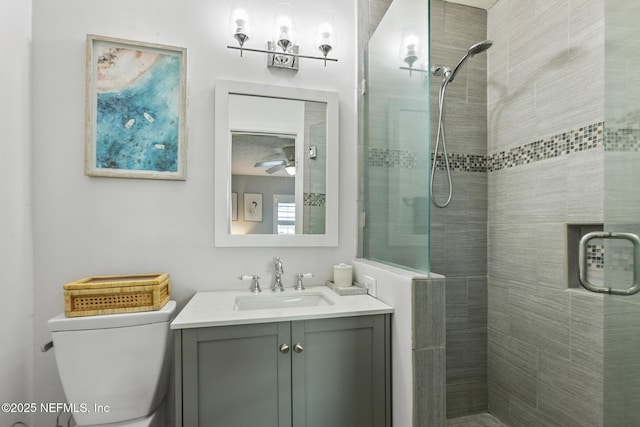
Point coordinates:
[(114, 367)]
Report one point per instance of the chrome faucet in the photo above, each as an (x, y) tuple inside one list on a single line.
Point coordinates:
[(278, 271)]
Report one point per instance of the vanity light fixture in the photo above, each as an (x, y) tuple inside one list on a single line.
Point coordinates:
[(410, 51), (282, 49), (326, 37), (241, 25)]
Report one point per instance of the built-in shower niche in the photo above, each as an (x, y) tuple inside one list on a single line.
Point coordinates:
[(595, 255)]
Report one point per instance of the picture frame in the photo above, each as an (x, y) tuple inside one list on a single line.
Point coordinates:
[(135, 109), (234, 206), (253, 207)]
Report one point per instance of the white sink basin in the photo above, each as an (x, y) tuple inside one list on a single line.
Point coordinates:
[(266, 302)]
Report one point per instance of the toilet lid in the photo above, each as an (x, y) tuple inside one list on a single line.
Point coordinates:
[(107, 321)]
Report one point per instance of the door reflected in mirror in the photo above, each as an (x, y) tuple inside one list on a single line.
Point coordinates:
[(287, 167)]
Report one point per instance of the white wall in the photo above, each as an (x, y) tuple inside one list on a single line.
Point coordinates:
[(394, 288), (16, 298), (87, 226)]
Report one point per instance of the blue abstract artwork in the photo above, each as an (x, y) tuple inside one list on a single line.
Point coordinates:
[(137, 125), (139, 100)]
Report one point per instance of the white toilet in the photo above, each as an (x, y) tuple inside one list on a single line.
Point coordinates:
[(115, 368)]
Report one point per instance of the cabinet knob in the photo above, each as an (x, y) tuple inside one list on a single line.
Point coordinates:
[(284, 348), (298, 348)]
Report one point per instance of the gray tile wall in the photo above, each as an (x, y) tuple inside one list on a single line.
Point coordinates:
[(459, 232), (429, 352), (545, 342), (545, 51)]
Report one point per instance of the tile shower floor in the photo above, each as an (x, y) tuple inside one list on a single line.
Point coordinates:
[(478, 420)]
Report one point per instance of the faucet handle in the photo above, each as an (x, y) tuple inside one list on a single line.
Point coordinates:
[(299, 285), (255, 285)]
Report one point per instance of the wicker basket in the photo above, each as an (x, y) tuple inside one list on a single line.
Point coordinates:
[(116, 294)]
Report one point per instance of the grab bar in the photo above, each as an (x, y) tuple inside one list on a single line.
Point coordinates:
[(582, 265)]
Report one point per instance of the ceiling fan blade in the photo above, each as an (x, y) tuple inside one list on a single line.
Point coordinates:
[(271, 163), (274, 169)]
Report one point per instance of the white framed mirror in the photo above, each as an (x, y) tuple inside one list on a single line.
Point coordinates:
[(276, 166)]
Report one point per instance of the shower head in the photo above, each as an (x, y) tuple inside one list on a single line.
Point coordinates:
[(479, 47), (473, 50)]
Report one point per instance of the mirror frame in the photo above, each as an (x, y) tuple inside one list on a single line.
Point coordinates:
[(222, 161)]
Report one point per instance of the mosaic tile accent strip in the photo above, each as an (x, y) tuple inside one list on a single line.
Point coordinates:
[(619, 260), (388, 158), (462, 162), (595, 256), (623, 133), (575, 141), (315, 199), (585, 138)]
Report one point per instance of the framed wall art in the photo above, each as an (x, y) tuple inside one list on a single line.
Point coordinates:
[(136, 101), (253, 207)]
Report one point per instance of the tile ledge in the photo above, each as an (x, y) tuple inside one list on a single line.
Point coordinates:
[(415, 275)]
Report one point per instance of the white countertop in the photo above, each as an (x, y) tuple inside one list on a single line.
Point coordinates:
[(216, 308)]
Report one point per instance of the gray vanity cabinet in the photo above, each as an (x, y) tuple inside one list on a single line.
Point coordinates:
[(343, 380), (234, 376), (307, 373)]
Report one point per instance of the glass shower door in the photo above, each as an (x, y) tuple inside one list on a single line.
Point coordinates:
[(621, 331), (621, 325), (396, 152)]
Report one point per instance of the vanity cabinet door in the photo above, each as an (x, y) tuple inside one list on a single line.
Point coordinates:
[(341, 372), (236, 376), (332, 373)]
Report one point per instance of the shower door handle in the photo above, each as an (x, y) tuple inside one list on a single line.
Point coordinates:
[(582, 263)]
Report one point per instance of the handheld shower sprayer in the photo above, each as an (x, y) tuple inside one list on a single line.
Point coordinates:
[(471, 52), (448, 76)]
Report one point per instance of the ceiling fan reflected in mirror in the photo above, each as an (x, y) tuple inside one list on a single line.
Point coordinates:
[(288, 163)]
